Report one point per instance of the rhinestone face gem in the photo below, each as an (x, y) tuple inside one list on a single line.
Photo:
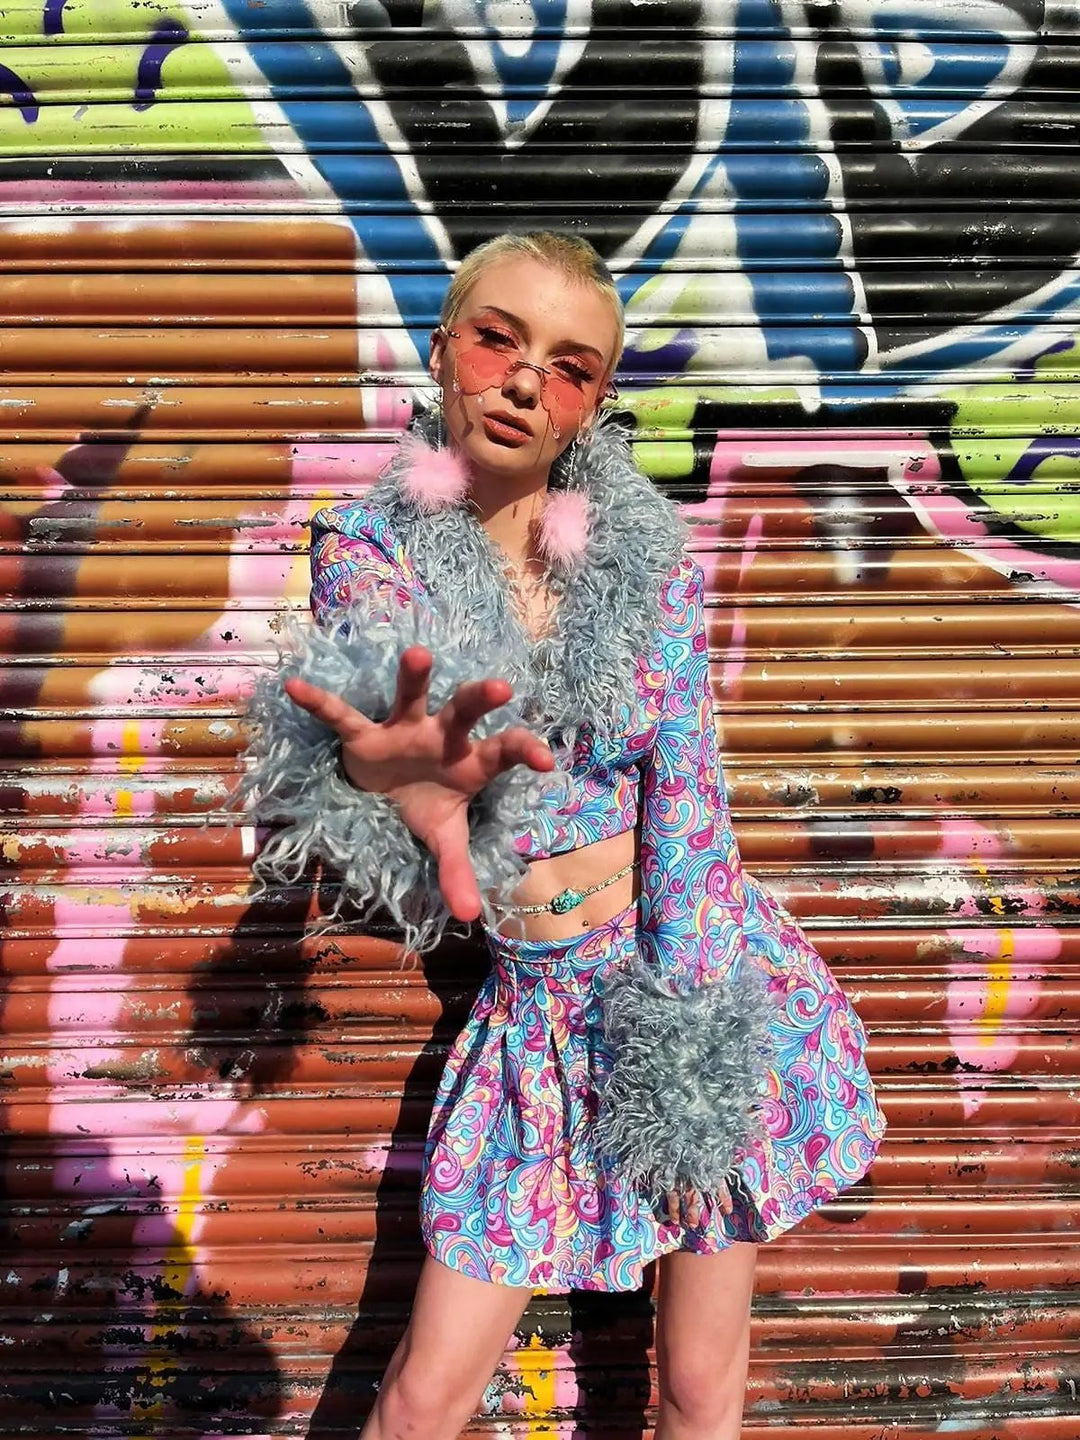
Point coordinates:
[(566, 900)]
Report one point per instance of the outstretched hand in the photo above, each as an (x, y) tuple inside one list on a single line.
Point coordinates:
[(429, 764)]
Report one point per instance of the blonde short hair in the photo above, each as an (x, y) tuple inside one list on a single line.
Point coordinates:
[(571, 254)]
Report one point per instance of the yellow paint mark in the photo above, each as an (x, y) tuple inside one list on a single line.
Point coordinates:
[(179, 1260), (998, 972), (131, 763), (179, 1253), (536, 1364)]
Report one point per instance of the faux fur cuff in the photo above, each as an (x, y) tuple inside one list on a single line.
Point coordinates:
[(295, 786), (689, 1071)]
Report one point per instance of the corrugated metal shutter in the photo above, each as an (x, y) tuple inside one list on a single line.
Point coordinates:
[(848, 235)]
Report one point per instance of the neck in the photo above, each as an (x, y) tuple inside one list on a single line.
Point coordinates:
[(583, 670), (508, 507)]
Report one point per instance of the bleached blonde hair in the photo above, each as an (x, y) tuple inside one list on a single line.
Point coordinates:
[(572, 254)]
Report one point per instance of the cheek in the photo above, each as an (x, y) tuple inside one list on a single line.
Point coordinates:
[(479, 369)]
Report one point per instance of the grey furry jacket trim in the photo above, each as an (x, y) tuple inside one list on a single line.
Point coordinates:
[(688, 1023)]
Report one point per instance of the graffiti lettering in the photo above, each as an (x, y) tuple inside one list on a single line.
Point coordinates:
[(1038, 450), (167, 36), (20, 92), (53, 20)]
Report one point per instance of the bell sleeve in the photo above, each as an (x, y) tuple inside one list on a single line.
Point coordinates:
[(368, 605), (688, 1019)]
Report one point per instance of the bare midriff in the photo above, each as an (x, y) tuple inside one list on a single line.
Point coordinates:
[(576, 870)]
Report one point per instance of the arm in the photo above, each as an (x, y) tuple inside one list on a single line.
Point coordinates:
[(369, 606), (688, 1023), (354, 556), (693, 891)]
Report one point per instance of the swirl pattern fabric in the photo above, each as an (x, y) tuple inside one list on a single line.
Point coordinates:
[(823, 1123), (693, 894), (514, 1191)]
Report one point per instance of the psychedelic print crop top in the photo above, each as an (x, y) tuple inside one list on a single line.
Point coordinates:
[(664, 770)]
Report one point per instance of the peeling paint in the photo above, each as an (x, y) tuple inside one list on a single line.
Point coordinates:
[(848, 258)]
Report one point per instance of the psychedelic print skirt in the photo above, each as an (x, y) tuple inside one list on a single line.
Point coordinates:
[(514, 1191)]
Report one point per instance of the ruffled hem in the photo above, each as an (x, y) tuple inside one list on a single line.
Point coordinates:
[(632, 1267), (743, 1225)]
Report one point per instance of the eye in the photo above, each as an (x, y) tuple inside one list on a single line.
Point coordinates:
[(577, 372), (498, 338)]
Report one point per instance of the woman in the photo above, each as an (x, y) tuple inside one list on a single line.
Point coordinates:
[(503, 712)]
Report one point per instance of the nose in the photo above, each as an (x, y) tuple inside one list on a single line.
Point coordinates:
[(524, 382)]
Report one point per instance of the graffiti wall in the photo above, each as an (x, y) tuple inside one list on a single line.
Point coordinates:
[(846, 233)]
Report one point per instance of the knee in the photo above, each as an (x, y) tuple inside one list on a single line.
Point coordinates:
[(422, 1403), (706, 1395)]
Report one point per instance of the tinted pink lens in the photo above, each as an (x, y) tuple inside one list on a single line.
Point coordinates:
[(484, 367), (563, 401), (481, 368)]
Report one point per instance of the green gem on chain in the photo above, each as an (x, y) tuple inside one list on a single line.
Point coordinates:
[(566, 900)]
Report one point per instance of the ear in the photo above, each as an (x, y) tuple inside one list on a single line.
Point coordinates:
[(437, 347), (588, 421)]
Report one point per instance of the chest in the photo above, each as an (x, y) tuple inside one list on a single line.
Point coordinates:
[(533, 602), (570, 646)]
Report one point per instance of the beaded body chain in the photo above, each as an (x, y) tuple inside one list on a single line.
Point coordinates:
[(571, 899)]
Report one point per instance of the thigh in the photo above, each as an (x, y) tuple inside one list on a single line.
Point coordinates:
[(457, 1332), (703, 1320)]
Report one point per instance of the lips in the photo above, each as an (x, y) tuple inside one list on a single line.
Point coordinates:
[(501, 417)]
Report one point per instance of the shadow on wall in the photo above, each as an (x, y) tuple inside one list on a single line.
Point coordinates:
[(104, 1321)]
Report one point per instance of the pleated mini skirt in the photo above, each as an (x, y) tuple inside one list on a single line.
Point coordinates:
[(514, 1189)]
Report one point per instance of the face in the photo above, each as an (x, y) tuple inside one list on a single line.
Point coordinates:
[(509, 417)]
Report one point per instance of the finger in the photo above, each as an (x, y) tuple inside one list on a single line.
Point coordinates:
[(673, 1206), (457, 880), (724, 1196), (693, 1208), (330, 709), (519, 746), (470, 701), (516, 746), (413, 683)]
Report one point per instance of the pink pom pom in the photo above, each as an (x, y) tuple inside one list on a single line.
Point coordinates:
[(564, 527), (435, 479)]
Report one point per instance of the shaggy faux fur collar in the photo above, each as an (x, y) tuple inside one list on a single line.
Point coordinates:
[(582, 673)]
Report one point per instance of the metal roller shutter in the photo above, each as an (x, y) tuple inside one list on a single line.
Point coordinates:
[(847, 234)]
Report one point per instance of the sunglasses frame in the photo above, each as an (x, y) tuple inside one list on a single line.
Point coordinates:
[(611, 391)]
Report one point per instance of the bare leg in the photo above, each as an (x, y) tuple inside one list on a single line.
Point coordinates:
[(703, 1342), (455, 1338)]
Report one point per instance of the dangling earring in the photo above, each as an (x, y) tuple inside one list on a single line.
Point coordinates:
[(434, 411), (434, 477), (573, 465), (578, 448)]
